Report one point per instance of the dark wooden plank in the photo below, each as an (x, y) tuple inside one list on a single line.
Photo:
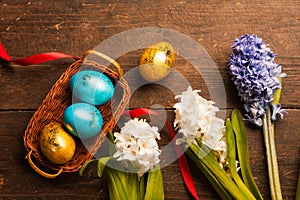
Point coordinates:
[(73, 27), (214, 24), (28, 27), (211, 23), (32, 83), (20, 181)]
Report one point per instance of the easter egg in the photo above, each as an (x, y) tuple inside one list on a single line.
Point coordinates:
[(156, 61), (82, 120), (56, 144), (92, 87)]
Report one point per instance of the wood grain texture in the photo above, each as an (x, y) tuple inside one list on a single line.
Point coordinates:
[(30, 27)]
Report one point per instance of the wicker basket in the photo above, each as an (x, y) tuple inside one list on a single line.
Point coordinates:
[(53, 106)]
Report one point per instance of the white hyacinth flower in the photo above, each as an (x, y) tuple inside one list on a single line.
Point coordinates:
[(196, 118), (137, 143)]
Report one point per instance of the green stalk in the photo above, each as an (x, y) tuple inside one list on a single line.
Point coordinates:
[(269, 130), (206, 156), (211, 178), (231, 148), (273, 157), (268, 154)]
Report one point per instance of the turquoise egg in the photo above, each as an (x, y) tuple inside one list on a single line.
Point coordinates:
[(92, 87), (82, 120)]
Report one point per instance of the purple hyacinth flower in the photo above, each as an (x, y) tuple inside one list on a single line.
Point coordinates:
[(255, 74)]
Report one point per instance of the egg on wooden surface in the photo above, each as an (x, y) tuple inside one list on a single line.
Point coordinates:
[(82, 120), (56, 144), (92, 87), (156, 61)]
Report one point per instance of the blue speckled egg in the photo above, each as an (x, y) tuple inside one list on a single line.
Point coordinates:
[(82, 120), (92, 87)]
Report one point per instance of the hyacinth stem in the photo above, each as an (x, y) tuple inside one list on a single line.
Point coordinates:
[(268, 154), (274, 157), (268, 130)]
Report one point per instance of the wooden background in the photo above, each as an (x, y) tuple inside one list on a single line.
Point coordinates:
[(30, 27)]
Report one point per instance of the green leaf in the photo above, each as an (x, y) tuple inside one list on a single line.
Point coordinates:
[(154, 188), (211, 178), (277, 93), (231, 145), (116, 185), (124, 185), (84, 166), (111, 146), (110, 136), (101, 165), (231, 149), (209, 160), (122, 176), (239, 129)]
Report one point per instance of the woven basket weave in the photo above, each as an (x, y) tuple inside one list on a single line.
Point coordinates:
[(53, 106)]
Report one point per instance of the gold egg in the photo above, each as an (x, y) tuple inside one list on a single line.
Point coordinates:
[(56, 144), (156, 61)]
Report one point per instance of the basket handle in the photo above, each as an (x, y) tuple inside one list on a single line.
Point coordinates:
[(38, 170), (109, 59)]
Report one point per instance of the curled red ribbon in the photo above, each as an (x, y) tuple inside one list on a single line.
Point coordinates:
[(50, 56), (34, 59), (182, 161)]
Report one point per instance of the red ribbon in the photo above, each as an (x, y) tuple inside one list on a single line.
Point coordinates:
[(35, 59), (50, 56), (182, 161)]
